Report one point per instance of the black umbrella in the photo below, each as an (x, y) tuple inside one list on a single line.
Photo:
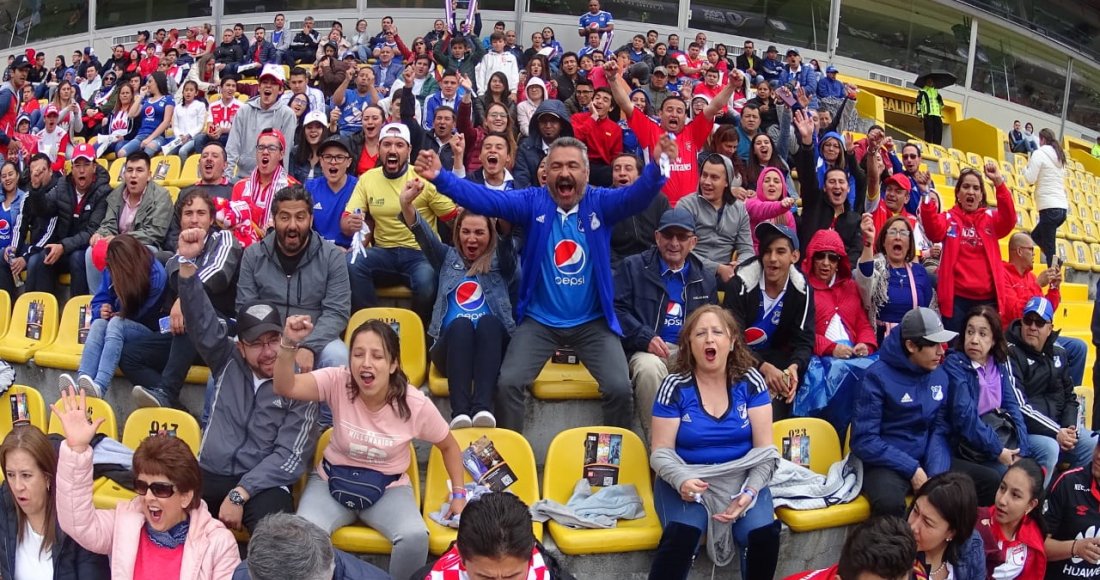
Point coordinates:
[(939, 78)]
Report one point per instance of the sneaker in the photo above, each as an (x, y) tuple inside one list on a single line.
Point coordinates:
[(66, 382), (485, 420), (147, 397), (90, 388), (461, 422)]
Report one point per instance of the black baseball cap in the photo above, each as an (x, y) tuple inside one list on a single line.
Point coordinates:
[(335, 141), (257, 318), (767, 231), (20, 62)]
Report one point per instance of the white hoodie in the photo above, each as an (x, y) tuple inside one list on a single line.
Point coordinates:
[(492, 62)]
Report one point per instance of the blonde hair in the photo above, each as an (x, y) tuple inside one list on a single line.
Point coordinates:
[(484, 263)]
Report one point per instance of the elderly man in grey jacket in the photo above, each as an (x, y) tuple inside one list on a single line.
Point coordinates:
[(721, 220)]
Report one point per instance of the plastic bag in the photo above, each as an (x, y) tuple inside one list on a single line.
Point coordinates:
[(829, 388)]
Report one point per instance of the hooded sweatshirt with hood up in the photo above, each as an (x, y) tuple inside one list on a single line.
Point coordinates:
[(762, 210), (532, 149), (526, 109), (838, 298)]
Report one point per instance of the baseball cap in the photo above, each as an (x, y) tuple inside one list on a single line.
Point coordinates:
[(1041, 307), (274, 71), (899, 180), (315, 117), (676, 218), (398, 130), (924, 323), (273, 132), (52, 110), (256, 318), (335, 141), (792, 52), (20, 62), (84, 151), (830, 69), (661, 71), (772, 48), (767, 231)]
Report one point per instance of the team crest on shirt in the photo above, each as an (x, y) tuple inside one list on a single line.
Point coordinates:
[(742, 411), (937, 392), (1057, 362), (593, 221)]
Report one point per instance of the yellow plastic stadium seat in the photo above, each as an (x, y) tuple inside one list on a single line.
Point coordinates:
[(565, 465), (559, 381), (1090, 231), (197, 375), (141, 424), (5, 311), (189, 174), (1084, 399), (65, 352), (1081, 259), (358, 538), (172, 172), (1073, 316), (104, 164), (437, 383), (395, 293), (516, 452), (33, 327), (939, 151), (1019, 160), (414, 351), (115, 171), (97, 408), (975, 160), (1073, 229), (1025, 220), (1094, 248), (36, 408), (1081, 211), (1022, 199), (824, 450)]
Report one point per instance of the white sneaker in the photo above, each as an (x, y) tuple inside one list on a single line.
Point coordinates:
[(461, 422), (485, 420), (66, 382), (90, 388)]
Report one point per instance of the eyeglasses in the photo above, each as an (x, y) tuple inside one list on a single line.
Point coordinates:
[(898, 232), (497, 115), (334, 158), (681, 236), (160, 489), (272, 344), (910, 156), (1033, 321), (827, 256), (268, 148)]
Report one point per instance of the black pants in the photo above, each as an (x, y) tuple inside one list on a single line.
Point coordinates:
[(957, 321), (886, 490), (987, 478), (160, 362), (43, 278), (1045, 234), (467, 355), (269, 501), (933, 129), (7, 281), (301, 56)]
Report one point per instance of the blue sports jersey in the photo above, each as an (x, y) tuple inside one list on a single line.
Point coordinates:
[(566, 295), (328, 208), (701, 438), (152, 113), (674, 306), (351, 113), (601, 19), (467, 300), (8, 218)]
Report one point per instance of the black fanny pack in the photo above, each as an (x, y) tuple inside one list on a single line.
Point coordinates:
[(356, 488), (1001, 423)]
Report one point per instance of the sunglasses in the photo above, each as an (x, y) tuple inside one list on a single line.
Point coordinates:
[(1033, 321), (681, 236), (910, 156), (160, 489), (828, 256)]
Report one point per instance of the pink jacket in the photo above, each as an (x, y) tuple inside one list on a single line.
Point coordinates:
[(762, 210), (210, 552)]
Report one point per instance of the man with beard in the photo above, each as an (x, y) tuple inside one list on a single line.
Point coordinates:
[(443, 139), (920, 181), (332, 190), (256, 445), (212, 182), (395, 257), (633, 235), (691, 136), (157, 364), (569, 76), (250, 212), (294, 267), (260, 112), (566, 291)]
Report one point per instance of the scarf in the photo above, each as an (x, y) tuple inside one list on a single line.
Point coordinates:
[(169, 539), (450, 567), (260, 197)]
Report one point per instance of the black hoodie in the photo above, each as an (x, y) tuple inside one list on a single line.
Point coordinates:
[(1043, 377)]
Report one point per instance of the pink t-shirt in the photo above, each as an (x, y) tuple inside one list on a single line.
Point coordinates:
[(379, 441), (154, 561)]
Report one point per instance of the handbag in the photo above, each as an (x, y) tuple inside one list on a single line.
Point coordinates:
[(1001, 423), (356, 488)]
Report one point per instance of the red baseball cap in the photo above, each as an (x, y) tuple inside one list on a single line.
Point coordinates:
[(899, 180), (52, 110), (84, 151), (271, 132), (99, 254)]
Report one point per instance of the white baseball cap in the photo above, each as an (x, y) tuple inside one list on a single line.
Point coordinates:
[(315, 117), (274, 71), (398, 130)]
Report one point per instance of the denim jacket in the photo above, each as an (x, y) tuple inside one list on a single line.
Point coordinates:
[(452, 271)]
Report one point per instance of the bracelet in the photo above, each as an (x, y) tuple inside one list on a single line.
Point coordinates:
[(289, 346), (1073, 549), (458, 495)]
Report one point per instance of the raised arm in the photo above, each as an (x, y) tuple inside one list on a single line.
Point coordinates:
[(285, 382)]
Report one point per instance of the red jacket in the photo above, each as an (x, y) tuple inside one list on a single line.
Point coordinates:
[(841, 298), (604, 138), (824, 574), (1019, 288), (991, 224), (1035, 565)]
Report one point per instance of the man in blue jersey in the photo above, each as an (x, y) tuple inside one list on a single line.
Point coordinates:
[(332, 190), (566, 291), (595, 20)]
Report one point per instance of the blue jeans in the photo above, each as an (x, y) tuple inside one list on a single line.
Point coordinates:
[(133, 145), (1046, 452), (1076, 351), (392, 266), (671, 508), (104, 348)]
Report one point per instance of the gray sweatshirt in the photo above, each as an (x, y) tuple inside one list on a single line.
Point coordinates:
[(240, 150), (720, 232)]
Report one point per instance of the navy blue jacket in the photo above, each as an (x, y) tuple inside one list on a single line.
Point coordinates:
[(529, 153), (533, 210), (963, 395), (901, 414), (70, 560), (640, 297)]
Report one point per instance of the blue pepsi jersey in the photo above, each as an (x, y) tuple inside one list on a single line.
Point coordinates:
[(673, 318), (9, 223), (328, 208), (566, 296), (600, 19), (152, 114), (702, 438), (466, 301)]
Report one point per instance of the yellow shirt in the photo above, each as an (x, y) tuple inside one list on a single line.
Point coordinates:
[(379, 197)]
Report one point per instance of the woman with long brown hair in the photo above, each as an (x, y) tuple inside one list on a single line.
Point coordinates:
[(32, 544), (126, 306), (713, 452), (362, 477)]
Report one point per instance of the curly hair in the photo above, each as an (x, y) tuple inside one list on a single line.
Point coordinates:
[(739, 360)]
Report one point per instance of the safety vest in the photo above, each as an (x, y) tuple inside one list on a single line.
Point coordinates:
[(931, 104)]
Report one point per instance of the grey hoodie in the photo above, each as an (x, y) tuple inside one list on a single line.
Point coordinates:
[(319, 288), (240, 150)]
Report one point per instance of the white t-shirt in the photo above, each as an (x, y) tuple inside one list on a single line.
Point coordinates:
[(30, 564)]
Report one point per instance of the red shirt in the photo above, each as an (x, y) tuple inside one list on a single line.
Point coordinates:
[(154, 561), (684, 178), (824, 574), (366, 161), (1019, 288), (221, 115), (604, 138), (972, 281)]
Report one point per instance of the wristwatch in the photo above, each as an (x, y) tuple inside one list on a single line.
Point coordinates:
[(236, 498)]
